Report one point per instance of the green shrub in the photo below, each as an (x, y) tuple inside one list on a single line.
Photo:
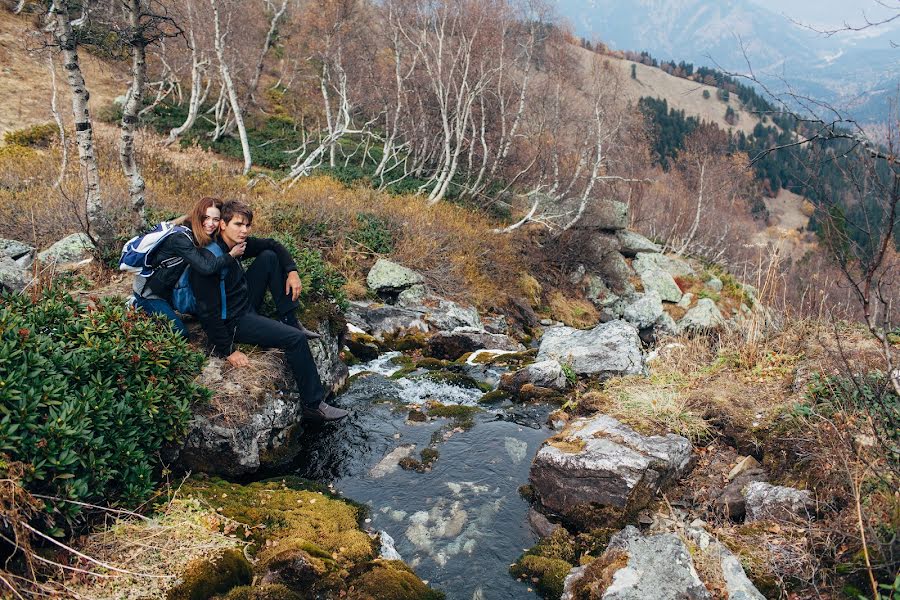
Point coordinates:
[(38, 136), (320, 280), (374, 233), (88, 395)]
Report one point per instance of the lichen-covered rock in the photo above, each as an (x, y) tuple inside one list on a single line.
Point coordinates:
[(598, 462), (616, 273), (605, 215), (715, 284), (675, 267), (737, 585), (645, 311), (637, 567), (12, 276), (387, 277), (546, 373), (776, 502), (450, 345), (14, 249), (631, 243), (412, 295), (72, 248), (608, 349), (262, 592), (704, 316), (207, 577), (661, 282), (446, 315)]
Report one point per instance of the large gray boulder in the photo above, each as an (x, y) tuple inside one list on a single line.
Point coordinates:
[(615, 271), (655, 566), (704, 316), (645, 311), (387, 277), (631, 243), (252, 423), (446, 315), (661, 282), (598, 462), (608, 349), (675, 267), (779, 503), (72, 248)]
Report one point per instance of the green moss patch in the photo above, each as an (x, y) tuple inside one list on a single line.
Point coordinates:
[(207, 577), (548, 574), (390, 580)]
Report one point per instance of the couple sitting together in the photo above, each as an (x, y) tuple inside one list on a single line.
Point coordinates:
[(228, 297)]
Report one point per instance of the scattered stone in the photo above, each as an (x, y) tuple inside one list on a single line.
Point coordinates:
[(685, 301), (608, 349), (715, 284), (616, 272), (738, 585), (665, 325), (546, 373), (72, 248), (448, 315), (546, 322), (779, 503), (362, 345), (704, 316), (495, 324), (389, 278), (598, 293), (675, 267), (645, 311), (631, 243), (450, 345), (599, 462), (661, 282), (577, 275), (745, 464)]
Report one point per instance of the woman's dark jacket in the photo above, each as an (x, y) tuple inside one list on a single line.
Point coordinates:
[(171, 258)]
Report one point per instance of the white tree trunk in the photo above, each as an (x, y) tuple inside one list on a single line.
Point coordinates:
[(257, 72), (57, 118), (229, 87), (130, 116), (196, 81), (97, 224)]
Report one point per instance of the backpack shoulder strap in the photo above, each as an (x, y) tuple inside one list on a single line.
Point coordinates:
[(216, 249)]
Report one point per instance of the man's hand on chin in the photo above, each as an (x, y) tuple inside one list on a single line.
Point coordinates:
[(238, 359)]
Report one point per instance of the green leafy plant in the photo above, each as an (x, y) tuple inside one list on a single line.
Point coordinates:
[(374, 233), (320, 280), (89, 396)]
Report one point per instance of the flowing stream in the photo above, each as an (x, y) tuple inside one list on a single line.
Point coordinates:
[(460, 522)]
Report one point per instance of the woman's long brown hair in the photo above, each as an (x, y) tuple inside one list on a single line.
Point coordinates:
[(196, 216)]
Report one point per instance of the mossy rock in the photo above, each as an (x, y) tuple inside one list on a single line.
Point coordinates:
[(559, 545), (462, 416), (428, 458), (547, 573), (390, 580), (514, 359), (457, 379), (494, 397), (315, 314), (283, 510), (406, 341), (262, 592), (206, 577), (363, 346), (432, 364), (293, 562)]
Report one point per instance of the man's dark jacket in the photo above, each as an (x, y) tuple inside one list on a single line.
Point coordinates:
[(209, 297)]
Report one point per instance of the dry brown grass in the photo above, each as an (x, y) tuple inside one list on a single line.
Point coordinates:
[(574, 312), (154, 550)]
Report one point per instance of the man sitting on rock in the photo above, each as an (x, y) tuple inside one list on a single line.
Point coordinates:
[(239, 321)]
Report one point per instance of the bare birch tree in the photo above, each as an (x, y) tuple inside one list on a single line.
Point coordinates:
[(97, 222)]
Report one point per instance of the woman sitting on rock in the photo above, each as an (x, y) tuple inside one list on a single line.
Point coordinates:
[(153, 294)]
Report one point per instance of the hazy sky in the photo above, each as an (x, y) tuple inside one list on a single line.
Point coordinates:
[(833, 12)]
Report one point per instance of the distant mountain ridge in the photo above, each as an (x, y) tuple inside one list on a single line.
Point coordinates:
[(852, 71)]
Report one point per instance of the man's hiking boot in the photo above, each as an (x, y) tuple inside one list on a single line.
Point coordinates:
[(291, 319), (324, 412), (310, 335)]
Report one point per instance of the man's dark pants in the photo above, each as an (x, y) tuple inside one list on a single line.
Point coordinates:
[(266, 274)]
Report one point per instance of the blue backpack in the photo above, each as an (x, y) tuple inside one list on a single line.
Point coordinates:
[(137, 254), (183, 299)]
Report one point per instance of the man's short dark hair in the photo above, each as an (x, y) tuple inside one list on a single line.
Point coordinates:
[(236, 207)]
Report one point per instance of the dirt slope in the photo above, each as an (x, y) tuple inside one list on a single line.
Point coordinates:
[(25, 77)]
